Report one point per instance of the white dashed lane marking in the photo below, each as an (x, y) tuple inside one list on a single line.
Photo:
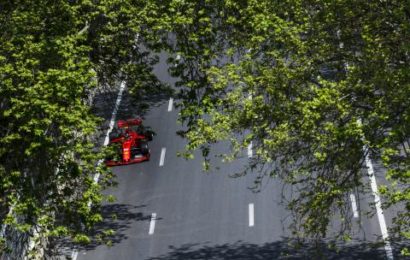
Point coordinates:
[(152, 223), (177, 59), (170, 104), (250, 151), (251, 210), (354, 205), (162, 158)]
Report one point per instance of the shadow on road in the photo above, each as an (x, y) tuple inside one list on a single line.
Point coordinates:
[(132, 105), (285, 249), (119, 218), (141, 101)]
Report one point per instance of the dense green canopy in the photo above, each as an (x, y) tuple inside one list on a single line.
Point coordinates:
[(311, 84), (295, 78), (54, 57)]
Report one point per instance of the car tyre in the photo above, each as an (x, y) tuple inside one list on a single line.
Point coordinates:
[(149, 135), (144, 147)]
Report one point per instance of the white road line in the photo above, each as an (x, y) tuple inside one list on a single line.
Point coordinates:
[(162, 158), (377, 201), (354, 205), (170, 104), (74, 255), (112, 123), (251, 215), (177, 59), (3, 227), (114, 113), (152, 223), (250, 151), (379, 211), (106, 141), (406, 146)]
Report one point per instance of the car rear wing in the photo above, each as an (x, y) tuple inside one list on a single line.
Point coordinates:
[(129, 122)]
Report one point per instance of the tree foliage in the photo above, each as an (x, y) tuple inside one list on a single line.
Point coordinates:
[(292, 77), (54, 56), (296, 78)]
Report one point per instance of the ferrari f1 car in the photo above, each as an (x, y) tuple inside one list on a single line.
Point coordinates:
[(129, 142)]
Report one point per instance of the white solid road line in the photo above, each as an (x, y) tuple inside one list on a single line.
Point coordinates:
[(354, 205), (114, 113), (251, 215), (74, 254), (377, 201), (112, 123), (378, 204), (162, 158), (250, 152), (152, 223), (170, 104)]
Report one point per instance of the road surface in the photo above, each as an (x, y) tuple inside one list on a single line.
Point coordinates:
[(169, 209)]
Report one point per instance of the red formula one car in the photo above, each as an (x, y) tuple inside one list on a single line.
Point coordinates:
[(130, 143)]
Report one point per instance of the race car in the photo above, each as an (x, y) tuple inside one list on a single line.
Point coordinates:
[(129, 141)]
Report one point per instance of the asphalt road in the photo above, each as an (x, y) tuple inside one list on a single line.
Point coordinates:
[(169, 209)]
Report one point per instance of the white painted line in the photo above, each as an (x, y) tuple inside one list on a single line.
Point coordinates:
[(251, 215), (106, 141), (152, 223), (177, 59), (378, 204), (354, 205), (377, 201), (97, 175), (2, 230), (250, 151), (112, 123), (162, 158), (406, 146), (3, 227), (114, 113), (74, 255), (170, 104)]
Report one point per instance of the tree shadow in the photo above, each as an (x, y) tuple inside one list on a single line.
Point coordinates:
[(139, 104), (146, 99), (285, 249), (131, 106), (134, 102), (116, 217), (104, 103)]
